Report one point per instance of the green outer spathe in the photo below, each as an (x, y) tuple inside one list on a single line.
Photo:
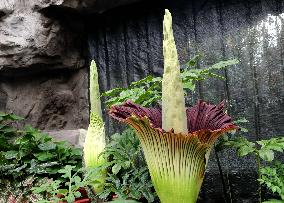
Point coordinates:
[(176, 161)]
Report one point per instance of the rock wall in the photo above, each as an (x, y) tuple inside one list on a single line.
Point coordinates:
[(44, 60)]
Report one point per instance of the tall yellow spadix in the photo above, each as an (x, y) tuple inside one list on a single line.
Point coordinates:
[(173, 102)]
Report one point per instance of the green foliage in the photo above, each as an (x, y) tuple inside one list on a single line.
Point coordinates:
[(273, 178), (128, 175), (268, 147), (67, 190), (242, 145), (191, 76), (265, 149), (29, 153), (143, 92), (7, 130), (148, 91)]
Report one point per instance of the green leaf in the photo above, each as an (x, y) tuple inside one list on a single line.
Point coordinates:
[(274, 201), (11, 154), (145, 80), (266, 154), (70, 198), (223, 64), (47, 146), (189, 85), (77, 194), (18, 169), (116, 168), (194, 60), (245, 150), (43, 156), (42, 201), (112, 92), (62, 191), (77, 179)]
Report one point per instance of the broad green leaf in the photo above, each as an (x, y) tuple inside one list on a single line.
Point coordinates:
[(245, 150), (11, 154), (47, 146), (44, 156), (116, 168), (223, 64), (17, 170), (274, 201), (77, 179), (146, 80), (62, 191), (266, 154)]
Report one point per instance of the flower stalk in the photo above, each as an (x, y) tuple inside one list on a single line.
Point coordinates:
[(95, 138)]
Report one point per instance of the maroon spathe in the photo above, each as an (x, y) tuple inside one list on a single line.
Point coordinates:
[(201, 117)]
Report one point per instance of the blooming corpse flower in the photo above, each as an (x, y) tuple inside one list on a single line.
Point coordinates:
[(176, 140), (176, 161)]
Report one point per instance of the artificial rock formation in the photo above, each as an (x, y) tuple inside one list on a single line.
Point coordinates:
[(41, 61), (29, 38), (43, 52)]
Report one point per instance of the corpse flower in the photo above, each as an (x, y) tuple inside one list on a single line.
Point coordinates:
[(176, 161), (176, 140), (95, 138)]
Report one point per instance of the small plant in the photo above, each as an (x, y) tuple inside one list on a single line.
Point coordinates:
[(128, 175), (36, 153), (273, 178), (263, 150), (67, 190), (28, 154)]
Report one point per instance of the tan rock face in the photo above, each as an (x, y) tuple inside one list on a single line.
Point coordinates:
[(27, 38)]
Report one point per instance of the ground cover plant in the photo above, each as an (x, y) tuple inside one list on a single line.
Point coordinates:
[(28, 155), (67, 189)]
